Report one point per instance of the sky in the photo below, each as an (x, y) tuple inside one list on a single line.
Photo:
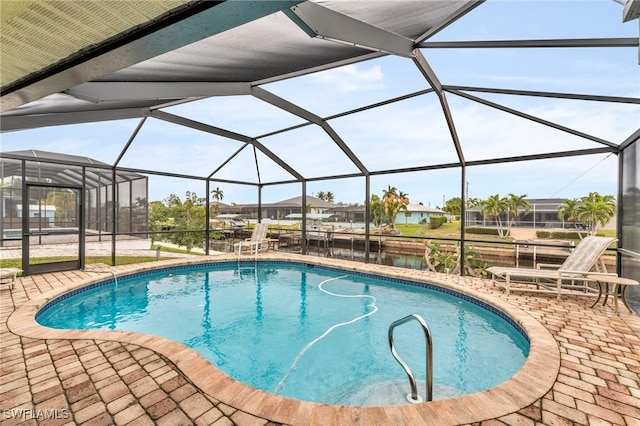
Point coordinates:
[(410, 133)]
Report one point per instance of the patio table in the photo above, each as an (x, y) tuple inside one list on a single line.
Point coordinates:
[(618, 283)]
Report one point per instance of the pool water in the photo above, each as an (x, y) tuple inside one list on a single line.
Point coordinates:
[(310, 333)]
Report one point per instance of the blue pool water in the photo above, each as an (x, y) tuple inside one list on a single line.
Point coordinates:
[(287, 328)]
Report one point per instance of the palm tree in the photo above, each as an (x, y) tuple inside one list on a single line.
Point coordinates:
[(596, 209), (568, 211), (472, 202), (389, 198), (394, 202), (217, 194), (329, 197), (401, 205), (322, 195), (494, 207), (514, 203)]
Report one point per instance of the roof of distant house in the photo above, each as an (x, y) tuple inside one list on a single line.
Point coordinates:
[(422, 208), (295, 202)]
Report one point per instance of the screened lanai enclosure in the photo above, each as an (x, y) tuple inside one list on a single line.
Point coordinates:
[(252, 102), (69, 203)]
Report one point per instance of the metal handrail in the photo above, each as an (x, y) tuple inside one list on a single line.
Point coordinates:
[(413, 397)]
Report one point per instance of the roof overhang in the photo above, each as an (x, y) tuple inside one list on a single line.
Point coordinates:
[(190, 50)]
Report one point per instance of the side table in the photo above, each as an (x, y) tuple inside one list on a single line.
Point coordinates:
[(617, 282)]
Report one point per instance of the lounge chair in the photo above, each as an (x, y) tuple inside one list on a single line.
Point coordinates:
[(8, 277), (257, 240), (568, 278)]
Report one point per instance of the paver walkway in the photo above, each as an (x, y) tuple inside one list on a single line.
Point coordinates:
[(96, 382)]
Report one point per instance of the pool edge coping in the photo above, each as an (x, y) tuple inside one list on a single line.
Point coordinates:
[(529, 384)]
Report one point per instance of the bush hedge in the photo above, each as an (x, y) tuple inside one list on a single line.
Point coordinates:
[(437, 221), (561, 235), (484, 231)]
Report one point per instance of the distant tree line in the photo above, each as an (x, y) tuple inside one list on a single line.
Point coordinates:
[(590, 211)]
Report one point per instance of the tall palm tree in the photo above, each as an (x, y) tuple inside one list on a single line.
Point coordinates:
[(329, 197), (322, 195), (472, 202), (389, 198), (514, 204), (401, 205), (494, 207), (395, 201), (568, 211), (596, 209), (217, 194)]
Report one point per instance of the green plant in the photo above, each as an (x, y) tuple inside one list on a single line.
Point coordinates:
[(447, 260), (394, 201), (484, 231), (437, 221), (439, 259)]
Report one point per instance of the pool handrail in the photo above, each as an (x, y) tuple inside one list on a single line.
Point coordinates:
[(413, 397)]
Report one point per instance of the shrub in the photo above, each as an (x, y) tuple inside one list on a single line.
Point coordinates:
[(447, 260), (436, 221), (485, 231), (561, 235)]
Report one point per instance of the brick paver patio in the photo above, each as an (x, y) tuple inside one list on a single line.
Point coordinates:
[(89, 380)]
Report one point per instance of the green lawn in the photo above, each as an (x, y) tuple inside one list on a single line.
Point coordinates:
[(447, 230), (452, 230)]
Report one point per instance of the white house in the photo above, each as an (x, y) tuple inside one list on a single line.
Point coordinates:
[(417, 213)]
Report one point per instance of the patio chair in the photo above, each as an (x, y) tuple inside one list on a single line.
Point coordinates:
[(10, 275), (568, 278), (258, 238)]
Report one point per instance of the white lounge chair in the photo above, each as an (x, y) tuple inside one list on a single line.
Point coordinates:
[(8, 277), (568, 278), (257, 240)]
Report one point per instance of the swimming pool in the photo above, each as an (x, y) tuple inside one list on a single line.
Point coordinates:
[(274, 325)]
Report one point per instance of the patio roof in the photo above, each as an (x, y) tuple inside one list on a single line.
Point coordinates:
[(274, 37)]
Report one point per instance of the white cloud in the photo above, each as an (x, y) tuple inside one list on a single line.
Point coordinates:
[(352, 78)]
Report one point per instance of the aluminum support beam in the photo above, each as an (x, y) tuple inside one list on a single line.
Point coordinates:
[(331, 25), (536, 119), (225, 134), (557, 95), (130, 141), (228, 160), (433, 80), (532, 157), (255, 157), (631, 139), (551, 43), (294, 109), (353, 111)]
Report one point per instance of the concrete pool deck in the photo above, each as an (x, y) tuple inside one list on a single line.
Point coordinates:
[(584, 367)]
